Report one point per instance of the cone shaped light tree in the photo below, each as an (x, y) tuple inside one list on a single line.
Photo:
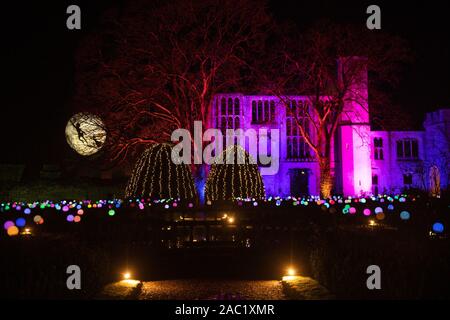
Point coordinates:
[(241, 179), (155, 176)]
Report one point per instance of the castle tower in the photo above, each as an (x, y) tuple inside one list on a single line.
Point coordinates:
[(354, 130)]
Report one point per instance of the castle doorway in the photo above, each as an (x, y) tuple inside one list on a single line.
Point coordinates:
[(299, 182)]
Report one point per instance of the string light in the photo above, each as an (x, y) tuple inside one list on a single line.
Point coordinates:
[(155, 176), (240, 180)]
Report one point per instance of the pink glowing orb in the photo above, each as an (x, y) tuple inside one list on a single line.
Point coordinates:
[(366, 212), (352, 210), (8, 224)]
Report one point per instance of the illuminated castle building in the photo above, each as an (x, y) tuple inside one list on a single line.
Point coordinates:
[(363, 161)]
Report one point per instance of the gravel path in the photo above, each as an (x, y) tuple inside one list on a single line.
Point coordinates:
[(212, 289), (299, 288)]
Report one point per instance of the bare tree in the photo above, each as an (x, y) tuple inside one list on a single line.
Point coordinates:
[(154, 66), (307, 65)]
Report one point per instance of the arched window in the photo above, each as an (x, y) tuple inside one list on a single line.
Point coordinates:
[(230, 106), (260, 111), (407, 149), (378, 148), (296, 142), (236, 122), (289, 148), (223, 122), (230, 122), (266, 111), (375, 179), (272, 111), (236, 107), (254, 112), (223, 107), (294, 107)]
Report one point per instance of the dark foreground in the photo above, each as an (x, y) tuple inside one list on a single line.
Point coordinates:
[(245, 258)]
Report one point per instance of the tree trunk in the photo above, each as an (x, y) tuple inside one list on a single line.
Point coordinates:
[(199, 174), (326, 179)]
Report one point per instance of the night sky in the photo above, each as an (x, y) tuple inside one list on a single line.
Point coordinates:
[(37, 63)]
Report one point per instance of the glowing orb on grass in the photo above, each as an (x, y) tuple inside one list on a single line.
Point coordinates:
[(20, 222), (378, 210), (380, 216), (27, 211), (352, 210), (80, 212), (404, 215), (85, 133), (69, 218), (366, 212), (390, 207), (77, 219), (13, 231), (111, 212), (8, 224), (37, 219), (438, 227)]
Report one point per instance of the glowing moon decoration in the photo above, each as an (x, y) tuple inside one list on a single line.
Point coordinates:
[(85, 133)]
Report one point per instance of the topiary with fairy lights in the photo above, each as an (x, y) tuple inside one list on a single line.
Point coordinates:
[(241, 179), (155, 176)]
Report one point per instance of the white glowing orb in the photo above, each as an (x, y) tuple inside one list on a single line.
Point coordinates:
[(85, 133)]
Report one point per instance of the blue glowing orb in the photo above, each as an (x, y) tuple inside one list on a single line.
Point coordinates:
[(438, 227), (20, 222), (404, 215)]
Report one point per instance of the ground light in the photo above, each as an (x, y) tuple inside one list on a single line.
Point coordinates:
[(26, 232), (230, 219), (291, 274), (127, 281)]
